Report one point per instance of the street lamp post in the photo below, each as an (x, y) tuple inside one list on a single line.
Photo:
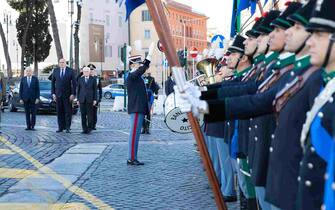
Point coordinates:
[(101, 54), (70, 12), (34, 56), (7, 19)]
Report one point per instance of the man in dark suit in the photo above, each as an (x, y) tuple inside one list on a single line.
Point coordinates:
[(29, 96), (63, 89), (87, 98), (99, 93)]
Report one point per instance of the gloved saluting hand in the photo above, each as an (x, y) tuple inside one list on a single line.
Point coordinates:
[(151, 51)]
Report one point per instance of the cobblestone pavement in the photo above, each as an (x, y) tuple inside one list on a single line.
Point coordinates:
[(172, 177)]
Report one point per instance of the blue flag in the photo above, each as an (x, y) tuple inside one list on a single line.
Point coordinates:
[(131, 5), (244, 4)]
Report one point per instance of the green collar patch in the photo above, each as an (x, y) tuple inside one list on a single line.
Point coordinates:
[(302, 63), (259, 58), (241, 73), (270, 57), (327, 76), (285, 60)]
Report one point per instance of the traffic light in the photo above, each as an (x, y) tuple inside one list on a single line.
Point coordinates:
[(182, 55)]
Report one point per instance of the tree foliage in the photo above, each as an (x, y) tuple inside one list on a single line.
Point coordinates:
[(33, 22)]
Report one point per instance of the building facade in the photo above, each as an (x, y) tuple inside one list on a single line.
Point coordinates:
[(188, 29), (103, 31)]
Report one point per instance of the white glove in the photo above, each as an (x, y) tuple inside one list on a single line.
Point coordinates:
[(181, 100), (198, 106), (151, 51), (192, 90)]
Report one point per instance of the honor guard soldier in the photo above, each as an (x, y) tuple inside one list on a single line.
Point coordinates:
[(286, 61), (137, 102), (317, 137)]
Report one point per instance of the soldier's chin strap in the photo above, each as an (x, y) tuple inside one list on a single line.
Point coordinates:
[(267, 49), (238, 61), (302, 45), (330, 45), (253, 54)]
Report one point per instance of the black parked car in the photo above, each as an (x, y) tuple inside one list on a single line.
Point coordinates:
[(46, 103)]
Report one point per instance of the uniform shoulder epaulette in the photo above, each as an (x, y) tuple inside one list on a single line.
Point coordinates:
[(284, 95), (325, 96)]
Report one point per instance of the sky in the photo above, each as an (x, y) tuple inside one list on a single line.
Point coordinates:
[(218, 11)]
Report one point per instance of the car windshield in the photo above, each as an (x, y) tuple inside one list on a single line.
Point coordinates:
[(45, 85)]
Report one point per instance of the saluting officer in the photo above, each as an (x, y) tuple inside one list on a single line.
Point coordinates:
[(137, 102)]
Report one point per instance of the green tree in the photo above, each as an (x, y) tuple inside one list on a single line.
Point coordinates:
[(33, 30)]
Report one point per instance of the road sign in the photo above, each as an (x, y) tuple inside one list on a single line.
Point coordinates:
[(218, 39), (160, 46), (194, 52)]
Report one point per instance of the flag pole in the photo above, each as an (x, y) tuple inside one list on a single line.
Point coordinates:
[(260, 6), (163, 30)]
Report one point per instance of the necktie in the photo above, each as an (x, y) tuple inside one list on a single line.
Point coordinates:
[(62, 73), (29, 80), (86, 79)]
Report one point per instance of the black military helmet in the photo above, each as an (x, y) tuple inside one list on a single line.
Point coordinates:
[(303, 14), (264, 26), (282, 21), (253, 31), (323, 17), (237, 45)]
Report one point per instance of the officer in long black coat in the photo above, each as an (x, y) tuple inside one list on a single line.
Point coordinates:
[(137, 102)]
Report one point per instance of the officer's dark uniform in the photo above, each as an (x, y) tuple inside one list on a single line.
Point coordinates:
[(312, 173), (137, 108), (99, 96), (152, 88), (262, 104)]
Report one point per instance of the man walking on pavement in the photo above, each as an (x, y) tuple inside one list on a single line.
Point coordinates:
[(63, 90), (29, 96), (137, 102), (94, 74), (87, 99)]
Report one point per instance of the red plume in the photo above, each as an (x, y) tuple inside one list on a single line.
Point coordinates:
[(257, 19), (265, 14), (288, 3)]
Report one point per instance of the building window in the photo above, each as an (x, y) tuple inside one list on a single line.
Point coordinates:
[(146, 16), (147, 34), (91, 16), (108, 51), (108, 20)]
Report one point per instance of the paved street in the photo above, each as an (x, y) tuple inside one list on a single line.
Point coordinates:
[(47, 169)]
